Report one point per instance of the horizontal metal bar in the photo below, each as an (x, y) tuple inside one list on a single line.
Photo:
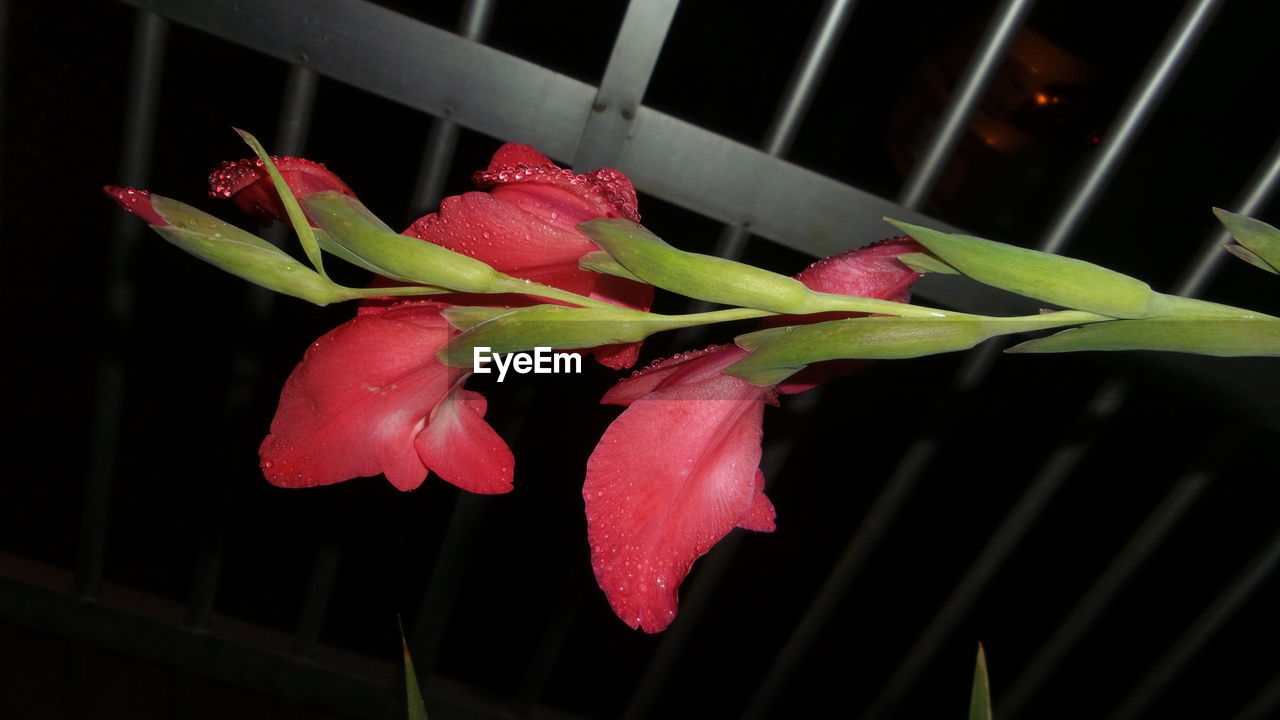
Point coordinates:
[(401, 59), (974, 79), (1155, 81), (151, 628), (442, 138), (435, 71)]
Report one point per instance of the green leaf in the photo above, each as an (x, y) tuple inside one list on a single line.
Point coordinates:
[(1224, 337), (350, 225), (703, 277), (469, 316), (925, 263), (296, 217), (413, 693), (550, 326), (241, 253), (980, 698), (1261, 239), (777, 353), (1248, 256), (601, 262), (1066, 282)]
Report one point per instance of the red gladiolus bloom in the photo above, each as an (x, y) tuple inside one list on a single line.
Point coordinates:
[(527, 226), (679, 468), (370, 397)]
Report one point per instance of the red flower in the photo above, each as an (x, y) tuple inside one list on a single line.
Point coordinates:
[(370, 397), (527, 226), (247, 184), (679, 468)]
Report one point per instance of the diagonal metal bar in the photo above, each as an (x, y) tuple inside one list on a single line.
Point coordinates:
[(1149, 91), (999, 546), (1219, 611), (146, 64), (696, 597), (1060, 464), (635, 53), (805, 80), (792, 108), (1266, 704), (442, 138), (1258, 192), (870, 530), (974, 79), (1086, 611), (1155, 81)]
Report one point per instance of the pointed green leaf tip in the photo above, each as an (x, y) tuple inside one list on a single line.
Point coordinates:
[(552, 326), (1066, 282), (702, 277), (413, 693), (776, 353), (1224, 337), (1260, 241), (350, 225), (980, 698), (296, 218), (241, 253)]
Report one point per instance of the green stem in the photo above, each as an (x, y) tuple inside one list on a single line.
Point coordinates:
[(829, 302), (346, 293), (528, 287)]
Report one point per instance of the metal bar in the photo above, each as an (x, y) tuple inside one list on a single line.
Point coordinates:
[(1060, 464), (1260, 188), (998, 548), (1265, 704), (139, 129), (442, 138), (237, 653), (1235, 594), (871, 529), (696, 596), (807, 76), (366, 45), (792, 109), (635, 53), (1156, 79), (1086, 611), (796, 99), (992, 49)]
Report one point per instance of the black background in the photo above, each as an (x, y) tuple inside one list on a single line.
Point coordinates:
[(186, 475)]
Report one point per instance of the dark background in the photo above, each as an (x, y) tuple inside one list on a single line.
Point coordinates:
[(186, 477)]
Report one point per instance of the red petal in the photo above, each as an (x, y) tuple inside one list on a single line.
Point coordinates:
[(137, 202), (354, 404), (873, 271), (247, 182), (671, 476), (681, 368), (761, 514), (513, 154), (459, 446), (507, 237)]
